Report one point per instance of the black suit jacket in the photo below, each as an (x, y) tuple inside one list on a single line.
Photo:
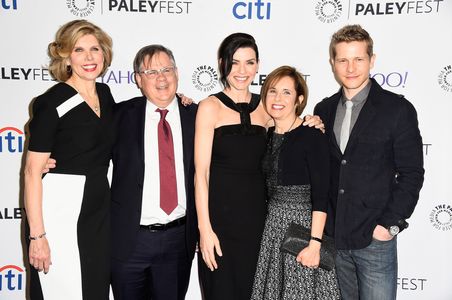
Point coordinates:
[(378, 178), (128, 175)]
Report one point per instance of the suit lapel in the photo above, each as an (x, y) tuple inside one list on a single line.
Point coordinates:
[(137, 117), (187, 127), (365, 116), (329, 126)]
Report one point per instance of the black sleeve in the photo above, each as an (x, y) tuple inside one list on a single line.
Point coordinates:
[(408, 158), (43, 125), (319, 169)]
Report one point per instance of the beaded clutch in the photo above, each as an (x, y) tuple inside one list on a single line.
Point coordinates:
[(297, 238)]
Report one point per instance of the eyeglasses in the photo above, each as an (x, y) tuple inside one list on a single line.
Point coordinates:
[(152, 74)]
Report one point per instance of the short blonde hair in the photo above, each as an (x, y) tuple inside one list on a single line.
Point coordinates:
[(351, 33), (300, 85), (65, 40)]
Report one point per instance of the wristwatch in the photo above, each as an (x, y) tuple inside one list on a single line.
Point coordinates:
[(393, 230), (396, 229)]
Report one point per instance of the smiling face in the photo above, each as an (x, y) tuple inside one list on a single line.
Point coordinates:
[(244, 68), (160, 89), (281, 99), (86, 59), (352, 65)]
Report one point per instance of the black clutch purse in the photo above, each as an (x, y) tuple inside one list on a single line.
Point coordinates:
[(297, 237)]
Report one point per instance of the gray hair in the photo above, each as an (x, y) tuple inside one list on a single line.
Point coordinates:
[(148, 52)]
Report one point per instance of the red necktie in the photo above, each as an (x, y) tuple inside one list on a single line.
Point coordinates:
[(168, 184)]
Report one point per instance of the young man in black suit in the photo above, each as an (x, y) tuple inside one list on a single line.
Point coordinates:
[(154, 228), (377, 169)]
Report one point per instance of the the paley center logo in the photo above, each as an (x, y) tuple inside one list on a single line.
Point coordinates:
[(81, 8), (204, 78), (445, 78), (441, 217), (259, 10), (11, 140), (12, 278), (328, 11)]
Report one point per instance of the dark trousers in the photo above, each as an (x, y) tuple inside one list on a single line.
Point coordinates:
[(158, 269)]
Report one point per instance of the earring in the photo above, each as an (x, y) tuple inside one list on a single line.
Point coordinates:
[(68, 69)]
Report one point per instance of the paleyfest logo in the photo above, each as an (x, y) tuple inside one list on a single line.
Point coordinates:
[(81, 8), (328, 11), (441, 217), (445, 78), (380, 8)]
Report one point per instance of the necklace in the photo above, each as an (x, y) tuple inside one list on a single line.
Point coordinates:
[(95, 106), (293, 123)]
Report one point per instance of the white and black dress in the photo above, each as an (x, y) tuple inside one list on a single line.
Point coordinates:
[(76, 194)]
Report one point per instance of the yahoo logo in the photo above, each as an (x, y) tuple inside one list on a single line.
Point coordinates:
[(118, 77), (393, 79)]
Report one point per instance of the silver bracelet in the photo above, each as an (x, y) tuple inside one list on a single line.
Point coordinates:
[(33, 238)]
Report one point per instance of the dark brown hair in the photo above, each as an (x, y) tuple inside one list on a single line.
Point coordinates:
[(301, 88)]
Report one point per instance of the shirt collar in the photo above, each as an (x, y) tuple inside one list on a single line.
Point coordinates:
[(171, 107), (360, 97)]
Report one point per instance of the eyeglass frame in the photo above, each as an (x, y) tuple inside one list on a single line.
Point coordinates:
[(152, 74)]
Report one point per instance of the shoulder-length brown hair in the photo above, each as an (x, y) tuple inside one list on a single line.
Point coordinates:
[(301, 88)]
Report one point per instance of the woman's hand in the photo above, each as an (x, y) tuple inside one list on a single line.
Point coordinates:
[(315, 121), (40, 254), (310, 256), (209, 244)]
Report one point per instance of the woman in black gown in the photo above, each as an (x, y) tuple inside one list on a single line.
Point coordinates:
[(71, 123), (230, 141)]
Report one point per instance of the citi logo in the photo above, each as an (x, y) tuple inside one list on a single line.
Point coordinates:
[(11, 278), (251, 10), (11, 140), (9, 4)]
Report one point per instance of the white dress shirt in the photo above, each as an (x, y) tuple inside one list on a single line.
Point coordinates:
[(151, 213)]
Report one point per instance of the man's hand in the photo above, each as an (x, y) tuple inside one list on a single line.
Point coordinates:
[(314, 121), (50, 164), (186, 101), (381, 234)]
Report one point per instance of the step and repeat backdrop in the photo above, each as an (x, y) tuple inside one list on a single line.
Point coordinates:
[(413, 46)]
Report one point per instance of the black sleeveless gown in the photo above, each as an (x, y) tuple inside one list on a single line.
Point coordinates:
[(237, 204)]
